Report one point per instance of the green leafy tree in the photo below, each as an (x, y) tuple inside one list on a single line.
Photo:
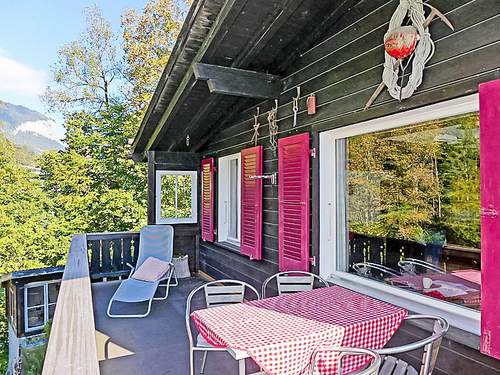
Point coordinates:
[(148, 39), (94, 184), (86, 74)]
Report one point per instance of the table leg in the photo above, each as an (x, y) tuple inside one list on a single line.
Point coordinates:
[(241, 367)]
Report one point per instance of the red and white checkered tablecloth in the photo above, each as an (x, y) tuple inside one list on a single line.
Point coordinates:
[(281, 333)]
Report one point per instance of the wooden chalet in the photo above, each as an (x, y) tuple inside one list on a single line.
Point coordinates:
[(259, 125)]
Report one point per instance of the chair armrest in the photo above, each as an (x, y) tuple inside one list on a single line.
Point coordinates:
[(132, 268)]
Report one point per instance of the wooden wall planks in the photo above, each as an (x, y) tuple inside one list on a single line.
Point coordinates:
[(343, 69)]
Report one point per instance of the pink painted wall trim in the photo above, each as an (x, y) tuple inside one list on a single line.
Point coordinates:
[(489, 103)]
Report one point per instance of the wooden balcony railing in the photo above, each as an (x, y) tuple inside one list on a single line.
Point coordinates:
[(72, 346), (110, 253)]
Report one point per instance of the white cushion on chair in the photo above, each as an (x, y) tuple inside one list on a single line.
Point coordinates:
[(153, 269)]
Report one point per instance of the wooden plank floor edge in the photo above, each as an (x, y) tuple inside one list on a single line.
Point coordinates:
[(72, 346)]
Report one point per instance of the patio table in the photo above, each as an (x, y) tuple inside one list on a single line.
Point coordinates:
[(467, 284), (281, 333)]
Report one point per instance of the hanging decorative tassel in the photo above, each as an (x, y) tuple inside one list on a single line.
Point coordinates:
[(272, 119), (256, 126)]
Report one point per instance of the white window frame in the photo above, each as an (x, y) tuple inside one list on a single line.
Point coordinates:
[(45, 305), (458, 316), (223, 199), (194, 198)]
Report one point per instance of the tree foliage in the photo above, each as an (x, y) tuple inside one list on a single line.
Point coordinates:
[(148, 39), (87, 70), (417, 183)]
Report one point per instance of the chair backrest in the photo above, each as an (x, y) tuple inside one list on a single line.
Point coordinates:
[(409, 266), (367, 269), (218, 293), (293, 282), (430, 344), (372, 369), (156, 241)]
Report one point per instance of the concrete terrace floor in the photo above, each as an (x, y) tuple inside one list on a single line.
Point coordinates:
[(155, 345)]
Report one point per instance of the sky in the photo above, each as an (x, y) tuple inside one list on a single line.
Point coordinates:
[(31, 33)]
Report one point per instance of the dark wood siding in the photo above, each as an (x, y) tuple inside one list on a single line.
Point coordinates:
[(343, 69)]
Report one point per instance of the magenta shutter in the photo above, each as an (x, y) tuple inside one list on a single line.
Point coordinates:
[(207, 199), (489, 98), (251, 202), (293, 196)]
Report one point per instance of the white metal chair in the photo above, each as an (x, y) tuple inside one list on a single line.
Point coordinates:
[(409, 266), (395, 366), (372, 369), (367, 269), (217, 293), (293, 282), (155, 241)]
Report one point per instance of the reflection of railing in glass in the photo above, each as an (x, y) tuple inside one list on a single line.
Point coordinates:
[(369, 256)]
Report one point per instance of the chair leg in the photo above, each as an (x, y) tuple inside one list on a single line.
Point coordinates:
[(191, 362), (108, 312), (203, 362), (167, 286)]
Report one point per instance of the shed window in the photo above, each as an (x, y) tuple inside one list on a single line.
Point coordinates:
[(176, 200), (400, 200), (39, 304), (229, 199)]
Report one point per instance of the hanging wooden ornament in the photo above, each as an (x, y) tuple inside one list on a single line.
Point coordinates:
[(256, 126), (272, 119)]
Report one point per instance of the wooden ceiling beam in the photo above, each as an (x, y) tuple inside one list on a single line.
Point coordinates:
[(238, 82)]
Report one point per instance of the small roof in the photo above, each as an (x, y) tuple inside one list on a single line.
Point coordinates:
[(260, 35), (27, 274)]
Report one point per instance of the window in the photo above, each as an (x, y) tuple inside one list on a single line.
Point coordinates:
[(39, 304), (176, 200), (229, 199), (404, 214)]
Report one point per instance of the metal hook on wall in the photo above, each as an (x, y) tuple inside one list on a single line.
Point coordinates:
[(295, 106)]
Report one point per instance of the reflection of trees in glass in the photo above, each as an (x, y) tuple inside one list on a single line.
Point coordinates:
[(176, 196), (417, 182)]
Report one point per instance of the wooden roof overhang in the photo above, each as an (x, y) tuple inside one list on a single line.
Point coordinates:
[(229, 56)]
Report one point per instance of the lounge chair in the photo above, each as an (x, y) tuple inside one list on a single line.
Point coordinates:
[(155, 246)]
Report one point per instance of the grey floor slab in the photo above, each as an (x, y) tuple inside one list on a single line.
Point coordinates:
[(155, 345)]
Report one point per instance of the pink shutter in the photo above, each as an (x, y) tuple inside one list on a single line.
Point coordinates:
[(251, 203), (207, 199), (489, 98), (293, 196)]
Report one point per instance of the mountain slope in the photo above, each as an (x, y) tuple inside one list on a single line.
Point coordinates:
[(28, 128)]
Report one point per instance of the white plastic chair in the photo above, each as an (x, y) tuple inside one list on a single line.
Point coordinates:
[(293, 282), (409, 266), (217, 293), (367, 269), (372, 369), (395, 366)]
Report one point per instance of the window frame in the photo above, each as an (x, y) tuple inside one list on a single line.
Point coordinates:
[(223, 193), (194, 198), (458, 316), (45, 285)]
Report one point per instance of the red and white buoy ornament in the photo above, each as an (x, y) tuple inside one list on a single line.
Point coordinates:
[(401, 42)]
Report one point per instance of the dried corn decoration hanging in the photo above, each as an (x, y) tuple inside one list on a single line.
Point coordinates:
[(272, 119)]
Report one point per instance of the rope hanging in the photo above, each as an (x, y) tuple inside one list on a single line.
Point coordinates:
[(272, 119), (423, 52), (256, 126)]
